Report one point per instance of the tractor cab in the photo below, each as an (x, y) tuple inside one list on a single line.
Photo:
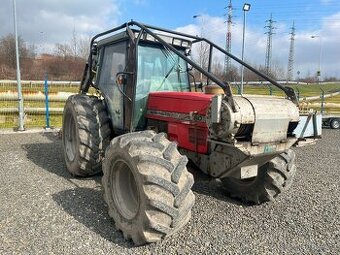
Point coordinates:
[(126, 86)]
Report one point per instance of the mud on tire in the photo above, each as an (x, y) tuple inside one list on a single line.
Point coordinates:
[(273, 178), (147, 186), (86, 134)]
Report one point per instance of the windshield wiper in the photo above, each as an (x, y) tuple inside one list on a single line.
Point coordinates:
[(167, 75)]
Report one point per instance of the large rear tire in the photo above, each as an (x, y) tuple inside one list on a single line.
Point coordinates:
[(86, 134), (273, 178), (147, 186)]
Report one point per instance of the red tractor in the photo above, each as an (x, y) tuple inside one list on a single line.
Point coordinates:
[(147, 120)]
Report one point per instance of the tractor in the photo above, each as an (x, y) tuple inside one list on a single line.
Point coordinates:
[(149, 117)]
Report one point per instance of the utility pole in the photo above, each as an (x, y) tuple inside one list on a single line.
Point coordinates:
[(246, 8), (20, 97), (227, 63), (318, 72), (202, 51), (269, 26), (291, 54)]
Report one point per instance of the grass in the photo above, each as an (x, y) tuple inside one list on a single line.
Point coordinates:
[(10, 120), (303, 91)]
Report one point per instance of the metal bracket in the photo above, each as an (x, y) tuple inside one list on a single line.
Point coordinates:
[(216, 106)]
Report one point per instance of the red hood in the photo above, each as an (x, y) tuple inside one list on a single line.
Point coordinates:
[(181, 102)]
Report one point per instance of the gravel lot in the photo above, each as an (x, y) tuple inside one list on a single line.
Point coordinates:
[(43, 210)]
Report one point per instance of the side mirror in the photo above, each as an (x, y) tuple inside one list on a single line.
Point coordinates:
[(121, 78), (94, 50)]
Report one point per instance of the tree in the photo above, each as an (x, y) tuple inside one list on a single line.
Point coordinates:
[(232, 74), (8, 57), (77, 47), (62, 50), (84, 47), (7, 51)]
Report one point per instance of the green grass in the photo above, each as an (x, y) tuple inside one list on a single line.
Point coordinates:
[(40, 88), (304, 90)]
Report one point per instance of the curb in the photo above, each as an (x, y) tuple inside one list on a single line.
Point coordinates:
[(29, 131)]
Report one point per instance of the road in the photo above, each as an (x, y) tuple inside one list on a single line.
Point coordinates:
[(43, 210)]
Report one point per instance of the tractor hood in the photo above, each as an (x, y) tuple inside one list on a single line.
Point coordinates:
[(178, 106), (263, 119)]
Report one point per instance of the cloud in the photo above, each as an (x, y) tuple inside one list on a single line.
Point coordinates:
[(307, 50), (57, 19), (53, 21)]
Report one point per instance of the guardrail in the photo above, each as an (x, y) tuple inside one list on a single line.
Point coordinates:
[(52, 97), (34, 110), (41, 82)]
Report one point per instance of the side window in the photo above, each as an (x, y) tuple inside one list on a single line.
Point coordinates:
[(113, 61)]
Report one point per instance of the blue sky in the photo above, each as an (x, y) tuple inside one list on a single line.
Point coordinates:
[(47, 22), (307, 14)]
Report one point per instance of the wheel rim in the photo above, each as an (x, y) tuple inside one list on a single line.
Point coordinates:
[(70, 138), (335, 124), (124, 190)]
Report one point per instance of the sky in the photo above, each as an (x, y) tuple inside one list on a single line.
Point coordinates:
[(47, 22)]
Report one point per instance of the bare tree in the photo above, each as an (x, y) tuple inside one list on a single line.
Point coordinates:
[(203, 55), (232, 74), (277, 71), (84, 47), (77, 47), (8, 57), (7, 50), (62, 50)]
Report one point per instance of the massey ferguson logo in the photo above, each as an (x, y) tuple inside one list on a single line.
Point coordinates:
[(179, 116)]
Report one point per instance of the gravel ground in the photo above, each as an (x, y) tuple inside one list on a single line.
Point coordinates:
[(43, 210)]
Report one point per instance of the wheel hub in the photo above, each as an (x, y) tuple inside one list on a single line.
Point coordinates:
[(69, 141), (124, 190)]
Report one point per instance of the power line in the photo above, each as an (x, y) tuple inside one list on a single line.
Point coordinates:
[(228, 38), (291, 54), (269, 33)]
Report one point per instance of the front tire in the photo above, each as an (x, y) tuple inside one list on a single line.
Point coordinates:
[(274, 177), (147, 186), (86, 134)]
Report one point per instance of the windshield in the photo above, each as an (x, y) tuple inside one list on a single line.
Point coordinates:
[(159, 69)]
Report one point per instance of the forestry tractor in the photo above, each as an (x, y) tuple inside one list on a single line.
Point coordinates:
[(149, 117)]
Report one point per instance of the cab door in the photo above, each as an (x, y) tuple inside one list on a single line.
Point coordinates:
[(113, 61)]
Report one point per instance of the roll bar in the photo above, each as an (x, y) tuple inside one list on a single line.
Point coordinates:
[(149, 29)]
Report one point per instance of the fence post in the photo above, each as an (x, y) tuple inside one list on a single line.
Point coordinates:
[(298, 94), (238, 89), (46, 103), (322, 100)]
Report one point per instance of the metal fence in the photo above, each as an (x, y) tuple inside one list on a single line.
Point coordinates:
[(44, 100)]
